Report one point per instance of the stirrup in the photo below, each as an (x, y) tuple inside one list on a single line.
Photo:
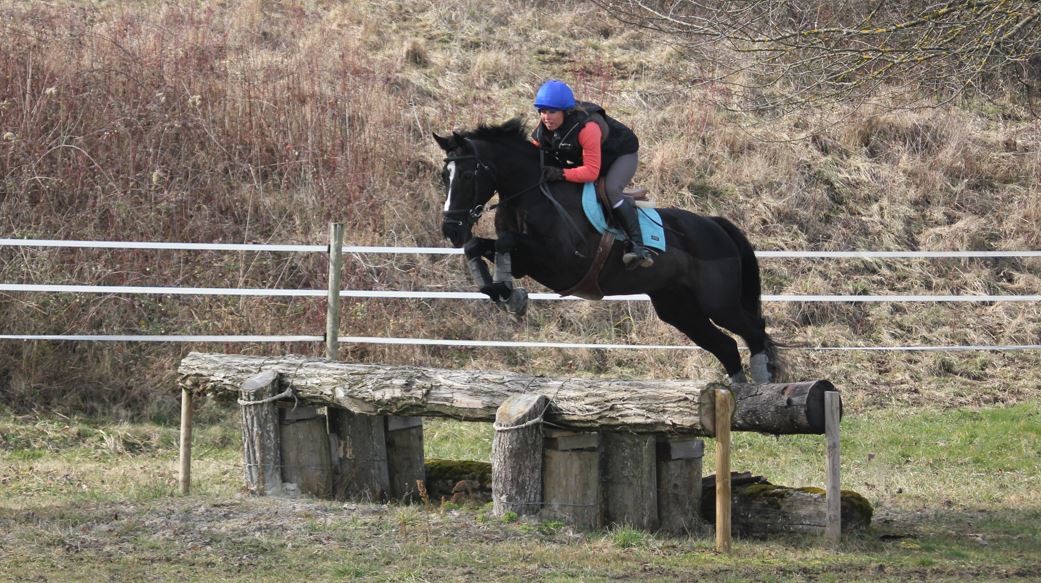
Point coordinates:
[(638, 256)]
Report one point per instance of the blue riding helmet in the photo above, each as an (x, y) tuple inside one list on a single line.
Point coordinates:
[(554, 95)]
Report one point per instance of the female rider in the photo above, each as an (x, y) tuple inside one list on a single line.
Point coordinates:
[(582, 143)]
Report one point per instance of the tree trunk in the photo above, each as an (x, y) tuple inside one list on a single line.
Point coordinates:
[(658, 406), (579, 403), (262, 460), (781, 409), (761, 508), (517, 455)]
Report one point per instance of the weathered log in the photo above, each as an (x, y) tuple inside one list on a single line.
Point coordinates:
[(761, 508), (262, 460), (517, 455), (658, 406), (580, 403), (781, 409)]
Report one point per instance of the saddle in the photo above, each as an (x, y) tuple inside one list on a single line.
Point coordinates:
[(589, 286)]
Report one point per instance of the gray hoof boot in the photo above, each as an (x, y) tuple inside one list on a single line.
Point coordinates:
[(517, 303), (738, 378), (758, 366)]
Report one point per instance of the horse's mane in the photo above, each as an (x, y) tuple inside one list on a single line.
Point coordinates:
[(510, 130)]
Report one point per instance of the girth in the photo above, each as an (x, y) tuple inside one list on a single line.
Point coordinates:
[(588, 288)]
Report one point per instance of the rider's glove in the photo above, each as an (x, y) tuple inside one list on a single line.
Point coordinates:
[(552, 174)]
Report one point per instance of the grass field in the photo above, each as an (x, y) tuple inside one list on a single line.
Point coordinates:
[(954, 494)]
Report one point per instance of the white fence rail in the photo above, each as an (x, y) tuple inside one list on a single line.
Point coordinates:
[(397, 294)]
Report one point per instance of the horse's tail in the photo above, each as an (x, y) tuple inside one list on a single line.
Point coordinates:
[(752, 290)]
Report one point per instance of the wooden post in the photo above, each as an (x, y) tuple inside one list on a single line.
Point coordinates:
[(332, 311), (261, 458), (571, 488), (724, 410), (833, 526), (517, 455), (185, 477), (631, 479)]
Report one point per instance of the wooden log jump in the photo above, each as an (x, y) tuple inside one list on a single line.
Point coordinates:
[(611, 451)]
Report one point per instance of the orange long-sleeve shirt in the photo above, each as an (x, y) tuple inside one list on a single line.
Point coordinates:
[(589, 137)]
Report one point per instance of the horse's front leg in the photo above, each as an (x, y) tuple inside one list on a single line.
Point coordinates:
[(500, 287)]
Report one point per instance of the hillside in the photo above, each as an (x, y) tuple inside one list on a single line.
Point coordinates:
[(253, 121)]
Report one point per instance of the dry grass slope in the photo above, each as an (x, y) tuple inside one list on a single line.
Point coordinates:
[(256, 121)]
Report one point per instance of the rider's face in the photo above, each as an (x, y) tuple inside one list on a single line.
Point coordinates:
[(551, 118)]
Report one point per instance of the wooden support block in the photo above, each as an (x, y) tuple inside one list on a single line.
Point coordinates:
[(631, 480), (405, 456), (261, 455), (304, 446), (360, 451), (517, 455), (571, 484), (679, 485)]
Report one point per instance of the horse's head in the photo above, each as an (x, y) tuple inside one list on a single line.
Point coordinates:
[(470, 184)]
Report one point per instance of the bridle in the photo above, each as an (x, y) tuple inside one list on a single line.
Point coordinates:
[(467, 217)]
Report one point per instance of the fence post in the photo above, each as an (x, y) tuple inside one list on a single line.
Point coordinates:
[(724, 411), (185, 477), (832, 414), (332, 312)]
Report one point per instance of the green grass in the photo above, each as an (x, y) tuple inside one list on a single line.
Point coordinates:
[(954, 493)]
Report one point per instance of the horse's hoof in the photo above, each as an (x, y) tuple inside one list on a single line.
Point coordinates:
[(517, 304)]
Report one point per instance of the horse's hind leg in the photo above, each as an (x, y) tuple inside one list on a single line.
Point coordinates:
[(677, 308), (752, 329)]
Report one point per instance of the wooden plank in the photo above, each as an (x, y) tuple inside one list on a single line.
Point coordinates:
[(362, 472), (571, 489), (405, 457), (563, 440), (304, 447), (630, 479), (679, 487)]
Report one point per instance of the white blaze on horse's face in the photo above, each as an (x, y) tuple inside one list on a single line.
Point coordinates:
[(451, 178)]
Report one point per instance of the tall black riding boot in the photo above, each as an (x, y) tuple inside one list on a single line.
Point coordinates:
[(637, 255)]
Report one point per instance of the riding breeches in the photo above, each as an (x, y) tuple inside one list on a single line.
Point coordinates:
[(619, 175)]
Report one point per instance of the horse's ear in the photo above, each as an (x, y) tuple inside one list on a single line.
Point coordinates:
[(447, 144)]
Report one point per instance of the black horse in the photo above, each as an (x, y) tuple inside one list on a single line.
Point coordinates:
[(708, 274)]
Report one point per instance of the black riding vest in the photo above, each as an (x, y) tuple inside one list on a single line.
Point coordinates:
[(562, 149)]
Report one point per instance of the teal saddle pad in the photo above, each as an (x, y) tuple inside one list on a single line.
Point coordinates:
[(650, 220)]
